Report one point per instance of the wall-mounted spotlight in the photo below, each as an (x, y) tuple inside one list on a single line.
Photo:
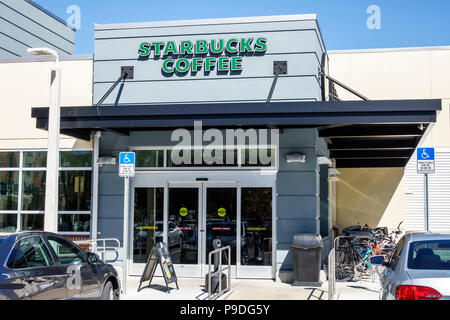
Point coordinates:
[(323, 160), (106, 160), (295, 157)]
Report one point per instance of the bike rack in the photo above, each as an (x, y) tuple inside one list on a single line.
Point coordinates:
[(103, 250), (332, 265), (219, 271)]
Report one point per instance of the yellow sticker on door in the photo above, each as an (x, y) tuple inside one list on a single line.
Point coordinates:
[(183, 212), (222, 212)]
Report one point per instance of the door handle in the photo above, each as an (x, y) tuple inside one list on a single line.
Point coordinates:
[(202, 230)]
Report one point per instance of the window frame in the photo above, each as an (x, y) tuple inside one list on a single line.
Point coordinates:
[(22, 169)]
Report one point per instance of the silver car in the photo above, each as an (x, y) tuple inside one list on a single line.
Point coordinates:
[(419, 268)]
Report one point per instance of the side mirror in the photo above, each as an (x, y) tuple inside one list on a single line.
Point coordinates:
[(377, 260), (93, 258)]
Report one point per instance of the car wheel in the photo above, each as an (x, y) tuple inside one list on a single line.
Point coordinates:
[(108, 292)]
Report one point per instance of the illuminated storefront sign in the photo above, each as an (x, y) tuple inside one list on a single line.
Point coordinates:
[(184, 56)]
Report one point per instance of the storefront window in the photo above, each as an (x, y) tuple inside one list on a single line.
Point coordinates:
[(32, 222), (208, 158), (9, 190), (256, 215), (9, 159), (148, 221), (33, 193), (76, 159), (35, 159), (75, 191), (8, 222), (74, 223), (150, 158), (258, 157)]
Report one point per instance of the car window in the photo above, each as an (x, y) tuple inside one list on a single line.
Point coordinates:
[(431, 255), (397, 253), (66, 252), (30, 253)]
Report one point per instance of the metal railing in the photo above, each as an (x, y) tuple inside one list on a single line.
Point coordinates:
[(332, 265), (219, 271), (103, 249)]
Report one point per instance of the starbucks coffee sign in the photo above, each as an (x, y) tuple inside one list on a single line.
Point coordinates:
[(220, 55)]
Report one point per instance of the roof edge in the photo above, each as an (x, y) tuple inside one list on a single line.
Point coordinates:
[(199, 22)]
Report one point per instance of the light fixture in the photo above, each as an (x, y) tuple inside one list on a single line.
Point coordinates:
[(44, 53), (106, 160), (323, 160), (295, 157), (333, 172), (334, 179)]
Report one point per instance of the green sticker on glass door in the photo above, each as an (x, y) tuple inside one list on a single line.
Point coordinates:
[(222, 212), (183, 212)]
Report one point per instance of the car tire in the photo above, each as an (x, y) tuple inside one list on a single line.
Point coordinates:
[(108, 292)]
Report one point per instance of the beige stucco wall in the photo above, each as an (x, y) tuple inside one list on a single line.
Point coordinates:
[(376, 196), (27, 84)]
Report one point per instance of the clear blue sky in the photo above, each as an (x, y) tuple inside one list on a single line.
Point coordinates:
[(404, 23)]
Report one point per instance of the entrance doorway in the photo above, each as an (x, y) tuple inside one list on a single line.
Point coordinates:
[(189, 215)]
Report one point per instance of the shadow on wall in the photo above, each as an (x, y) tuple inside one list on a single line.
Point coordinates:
[(363, 195)]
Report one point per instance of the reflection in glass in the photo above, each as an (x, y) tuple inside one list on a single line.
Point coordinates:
[(256, 213), (8, 222), (32, 222), (183, 225), (35, 159), (221, 217), (150, 158), (9, 159), (75, 190), (258, 157), (148, 221), (208, 158), (74, 222), (9, 189), (76, 159), (33, 194)]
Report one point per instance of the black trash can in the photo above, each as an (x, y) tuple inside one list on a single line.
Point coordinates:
[(307, 250)]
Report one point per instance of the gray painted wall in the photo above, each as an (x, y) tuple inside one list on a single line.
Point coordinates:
[(298, 189), (295, 39), (25, 25)]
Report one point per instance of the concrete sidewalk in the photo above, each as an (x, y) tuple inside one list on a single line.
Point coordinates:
[(246, 289)]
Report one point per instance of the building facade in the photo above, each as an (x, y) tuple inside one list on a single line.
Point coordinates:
[(238, 135)]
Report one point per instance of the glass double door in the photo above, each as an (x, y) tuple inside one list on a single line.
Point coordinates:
[(198, 214), (189, 216)]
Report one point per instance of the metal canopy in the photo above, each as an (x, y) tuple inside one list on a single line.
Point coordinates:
[(381, 133)]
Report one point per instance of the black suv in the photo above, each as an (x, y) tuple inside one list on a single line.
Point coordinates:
[(46, 266)]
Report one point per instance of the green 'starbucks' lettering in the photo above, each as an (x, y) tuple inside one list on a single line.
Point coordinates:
[(217, 48), (144, 49), (246, 45), (201, 47), (236, 64), (232, 46), (182, 65), (158, 46), (223, 64), (209, 64), (261, 45), (186, 47), (235, 46), (197, 64), (168, 66), (170, 48)]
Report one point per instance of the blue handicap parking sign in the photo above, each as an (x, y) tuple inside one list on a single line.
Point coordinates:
[(127, 158), (425, 154)]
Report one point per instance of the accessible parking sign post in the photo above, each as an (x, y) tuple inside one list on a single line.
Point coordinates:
[(426, 166), (127, 169)]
